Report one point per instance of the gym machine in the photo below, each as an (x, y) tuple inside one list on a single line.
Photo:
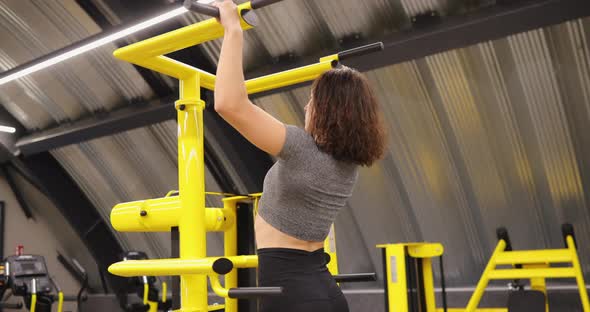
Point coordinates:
[(145, 288), (26, 276), (409, 280), (186, 211)]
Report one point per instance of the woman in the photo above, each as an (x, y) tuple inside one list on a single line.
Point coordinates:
[(314, 176)]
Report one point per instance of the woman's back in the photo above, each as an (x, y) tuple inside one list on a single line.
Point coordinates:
[(303, 192)]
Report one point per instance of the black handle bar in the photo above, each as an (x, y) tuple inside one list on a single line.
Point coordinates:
[(254, 292), (257, 4), (212, 11), (370, 48), (357, 277)]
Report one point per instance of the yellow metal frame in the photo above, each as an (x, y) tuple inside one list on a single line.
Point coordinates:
[(187, 211), (395, 273), (33, 295), (536, 266), (33, 302), (60, 301)]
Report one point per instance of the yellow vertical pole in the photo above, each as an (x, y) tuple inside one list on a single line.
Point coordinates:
[(191, 180), (428, 284), (60, 301), (579, 275), (483, 281), (230, 248)]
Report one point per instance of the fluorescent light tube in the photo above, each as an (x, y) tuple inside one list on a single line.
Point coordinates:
[(92, 45), (7, 129)]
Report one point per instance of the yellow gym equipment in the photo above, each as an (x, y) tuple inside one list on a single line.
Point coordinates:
[(187, 211), (409, 280), (409, 267)]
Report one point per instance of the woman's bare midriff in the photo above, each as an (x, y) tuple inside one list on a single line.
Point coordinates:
[(269, 237)]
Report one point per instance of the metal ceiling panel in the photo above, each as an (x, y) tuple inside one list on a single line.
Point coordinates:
[(88, 83), (365, 18), (415, 7), (285, 28)]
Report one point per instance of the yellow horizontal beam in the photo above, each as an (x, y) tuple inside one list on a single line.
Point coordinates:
[(532, 273), (289, 77), (534, 256), (162, 267), (426, 250), (176, 40), (244, 262), (173, 267), (159, 215)]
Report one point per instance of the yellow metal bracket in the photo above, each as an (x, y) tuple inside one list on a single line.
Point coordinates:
[(427, 250)]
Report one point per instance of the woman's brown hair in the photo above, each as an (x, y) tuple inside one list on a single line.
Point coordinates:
[(345, 119)]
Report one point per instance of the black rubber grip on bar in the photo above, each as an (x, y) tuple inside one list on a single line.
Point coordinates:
[(567, 229), (222, 266), (254, 292), (205, 9), (257, 4), (370, 48), (357, 277)]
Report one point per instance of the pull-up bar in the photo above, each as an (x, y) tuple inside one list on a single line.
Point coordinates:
[(212, 11)]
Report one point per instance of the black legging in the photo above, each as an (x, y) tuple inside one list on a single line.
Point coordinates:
[(307, 284)]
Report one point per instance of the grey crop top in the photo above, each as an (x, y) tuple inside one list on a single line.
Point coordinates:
[(305, 189)]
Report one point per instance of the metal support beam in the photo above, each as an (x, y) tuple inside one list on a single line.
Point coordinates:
[(20, 198), (481, 26), (124, 119)]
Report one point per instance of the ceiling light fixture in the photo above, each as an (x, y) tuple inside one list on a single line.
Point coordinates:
[(7, 129), (21, 71)]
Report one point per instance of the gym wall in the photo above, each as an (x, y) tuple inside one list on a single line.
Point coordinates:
[(46, 234)]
